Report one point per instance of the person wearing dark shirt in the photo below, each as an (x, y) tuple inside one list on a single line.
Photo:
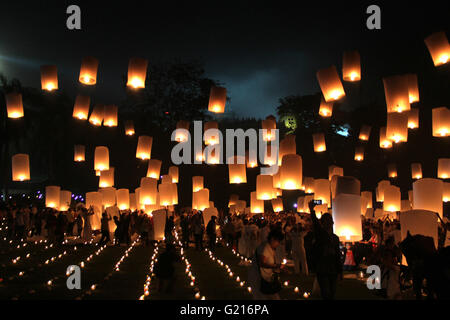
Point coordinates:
[(165, 269), (211, 232)]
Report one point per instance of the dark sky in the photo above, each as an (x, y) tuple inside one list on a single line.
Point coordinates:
[(261, 51)]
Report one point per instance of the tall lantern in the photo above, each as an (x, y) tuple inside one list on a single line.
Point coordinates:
[(144, 148), (444, 168), (88, 71), (413, 118), (20, 167), (154, 169), (269, 126), (270, 154), (14, 105), (330, 84), (137, 73), (49, 78), (277, 205), (396, 91), (166, 179), (309, 185), (174, 187), (202, 199), (237, 172), (413, 88), (106, 178), (319, 142), (97, 115), (441, 122), (392, 199), (108, 196), (397, 127), (148, 191), (123, 199), (166, 195), (133, 202), (79, 154), (211, 137), (322, 191), (197, 183), (347, 217), (251, 163), (364, 133), (326, 109), (291, 172), (52, 196), (65, 198), (256, 206), (277, 179), (264, 187), (351, 66), (101, 158), (159, 221), (427, 195), (174, 172), (437, 44), (385, 143), (182, 131), (335, 171), (416, 170), (110, 119), (446, 192), (81, 107), (382, 185), (359, 153), (392, 170), (217, 99), (366, 199), (129, 128), (287, 146)]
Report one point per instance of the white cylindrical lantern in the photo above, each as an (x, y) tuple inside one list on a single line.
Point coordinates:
[(347, 217), (144, 148), (197, 183), (364, 133), (211, 129), (269, 126), (49, 78), (237, 172), (174, 172), (154, 169), (397, 127), (20, 167), (217, 99), (446, 192), (441, 122), (159, 224), (413, 118), (413, 88), (52, 197), (166, 194), (322, 191), (291, 172), (381, 188), (123, 199), (443, 168), (137, 73), (392, 170), (385, 143), (366, 201), (95, 200), (319, 142), (101, 159), (14, 105), (264, 187), (416, 170), (148, 191), (287, 146), (79, 154), (330, 84), (108, 196), (396, 91), (277, 205), (427, 195), (182, 131), (437, 44), (256, 206), (81, 107), (88, 71), (351, 66), (106, 178), (65, 200), (133, 202), (326, 109), (335, 171), (392, 199), (309, 185), (129, 128), (97, 115), (202, 199), (359, 153), (110, 119)]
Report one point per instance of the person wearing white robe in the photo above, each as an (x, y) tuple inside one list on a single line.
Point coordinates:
[(87, 229), (298, 250)]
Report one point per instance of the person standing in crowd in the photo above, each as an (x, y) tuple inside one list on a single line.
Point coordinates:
[(211, 232), (165, 269), (145, 229), (20, 224), (198, 228), (298, 234), (184, 224), (104, 222), (78, 223), (61, 227), (87, 229), (168, 229)]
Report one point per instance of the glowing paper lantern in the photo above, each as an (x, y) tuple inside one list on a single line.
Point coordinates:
[(437, 44), (446, 192), (144, 148), (106, 178), (270, 154), (213, 157), (137, 73), (269, 126), (397, 127), (405, 206), (351, 66), (133, 202), (300, 204), (287, 146), (211, 133), (137, 193), (110, 119), (182, 131), (166, 179), (174, 172), (335, 171), (427, 195), (217, 99), (159, 224), (14, 105), (166, 195), (319, 142), (330, 84), (95, 200), (256, 206), (154, 169), (382, 185), (322, 190), (277, 205), (277, 180), (385, 143), (88, 71), (52, 196), (174, 187), (396, 91), (81, 107), (364, 133), (264, 187), (413, 118), (359, 153), (366, 201), (291, 172), (441, 122), (202, 199), (237, 172), (65, 200), (79, 154), (392, 199), (197, 183), (20, 167), (148, 191), (392, 170), (326, 109), (49, 78), (123, 199), (444, 168), (309, 185), (416, 170), (413, 88), (101, 159), (97, 173), (234, 198), (251, 163), (129, 128), (97, 115), (419, 222), (347, 217), (108, 196)]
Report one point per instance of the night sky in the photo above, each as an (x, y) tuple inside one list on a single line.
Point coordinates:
[(261, 51)]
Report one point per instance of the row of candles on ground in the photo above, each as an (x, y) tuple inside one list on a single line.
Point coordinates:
[(150, 274)]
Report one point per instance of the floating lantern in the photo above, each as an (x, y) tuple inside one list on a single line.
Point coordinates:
[(392, 170), (256, 206), (419, 222), (144, 148), (201, 199), (166, 195), (309, 185), (123, 199), (392, 199), (251, 162), (364, 133), (264, 187), (335, 171), (441, 122), (326, 109), (110, 119), (446, 192), (108, 197), (97, 173), (444, 168), (20, 167), (88, 71), (319, 142), (351, 66), (277, 205), (213, 157), (397, 127), (416, 170), (65, 200), (49, 78), (137, 73), (427, 195), (14, 105), (159, 221), (52, 197), (322, 191), (291, 172), (182, 131), (437, 44), (269, 126), (148, 191), (270, 154), (197, 183), (174, 172), (81, 107), (366, 201), (396, 91), (411, 197), (234, 198), (166, 179), (97, 115), (133, 202), (381, 188), (237, 172), (101, 158), (106, 178), (359, 153), (154, 169), (95, 200), (174, 187), (211, 133), (301, 204), (385, 143), (287, 146), (277, 180), (79, 154), (347, 217), (330, 84), (413, 88), (413, 118), (129, 128), (217, 99)]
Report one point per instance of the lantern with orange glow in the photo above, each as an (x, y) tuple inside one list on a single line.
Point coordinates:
[(106, 178), (133, 201), (269, 126), (446, 192), (326, 109), (213, 155), (443, 168), (291, 172), (159, 222), (392, 199), (364, 133), (95, 200), (108, 196), (20, 167), (123, 199), (144, 148), (382, 185), (148, 191), (396, 91), (201, 199), (322, 191), (174, 187), (413, 88), (256, 206), (154, 169), (49, 78), (137, 73), (405, 206), (397, 127), (270, 154), (129, 128), (65, 200), (351, 66), (174, 172), (234, 198), (347, 217), (166, 179), (335, 171), (309, 185), (427, 195), (197, 183), (385, 143), (441, 122), (97, 173), (97, 115), (237, 172), (413, 118), (277, 205), (437, 44), (110, 119), (217, 99), (301, 204), (416, 170), (211, 133), (182, 131), (277, 180), (101, 158), (81, 107), (264, 187), (330, 84), (79, 154), (319, 142), (359, 153), (287, 146), (88, 71), (52, 197), (252, 162), (14, 105), (166, 194), (392, 170), (366, 201)]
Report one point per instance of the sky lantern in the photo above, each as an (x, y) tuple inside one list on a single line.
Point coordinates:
[(330, 84), (217, 99), (174, 172), (269, 126), (14, 105), (427, 195), (106, 178), (277, 205), (277, 179), (446, 192), (211, 137), (137, 73), (385, 143), (347, 217), (444, 168), (419, 222), (396, 92), (174, 187), (437, 44), (411, 197), (154, 169), (364, 133), (413, 88), (97, 173), (326, 108), (81, 107), (381, 189), (287, 146), (322, 191), (49, 78), (88, 71), (392, 170), (251, 163), (234, 198), (202, 199), (441, 122), (129, 128), (309, 185), (256, 206), (101, 158), (166, 194), (166, 179), (405, 206), (213, 157), (237, 172), (264, 187), (197, 183), (139, 204), (351, 66), (123, 199), (65, 199), (392, 199), (359, 153), (144, 148), (413, 118), (20, 167), (97, 115), (79, 154), (397, 127), (148, 191), (110, 119), (108, 196), (335, 171), (182, 131), (159, 222), (95, 200), (291, 172), (270, 154), (319, 142), (416, 171), (52, 197), (366, 200), (133, 205)]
